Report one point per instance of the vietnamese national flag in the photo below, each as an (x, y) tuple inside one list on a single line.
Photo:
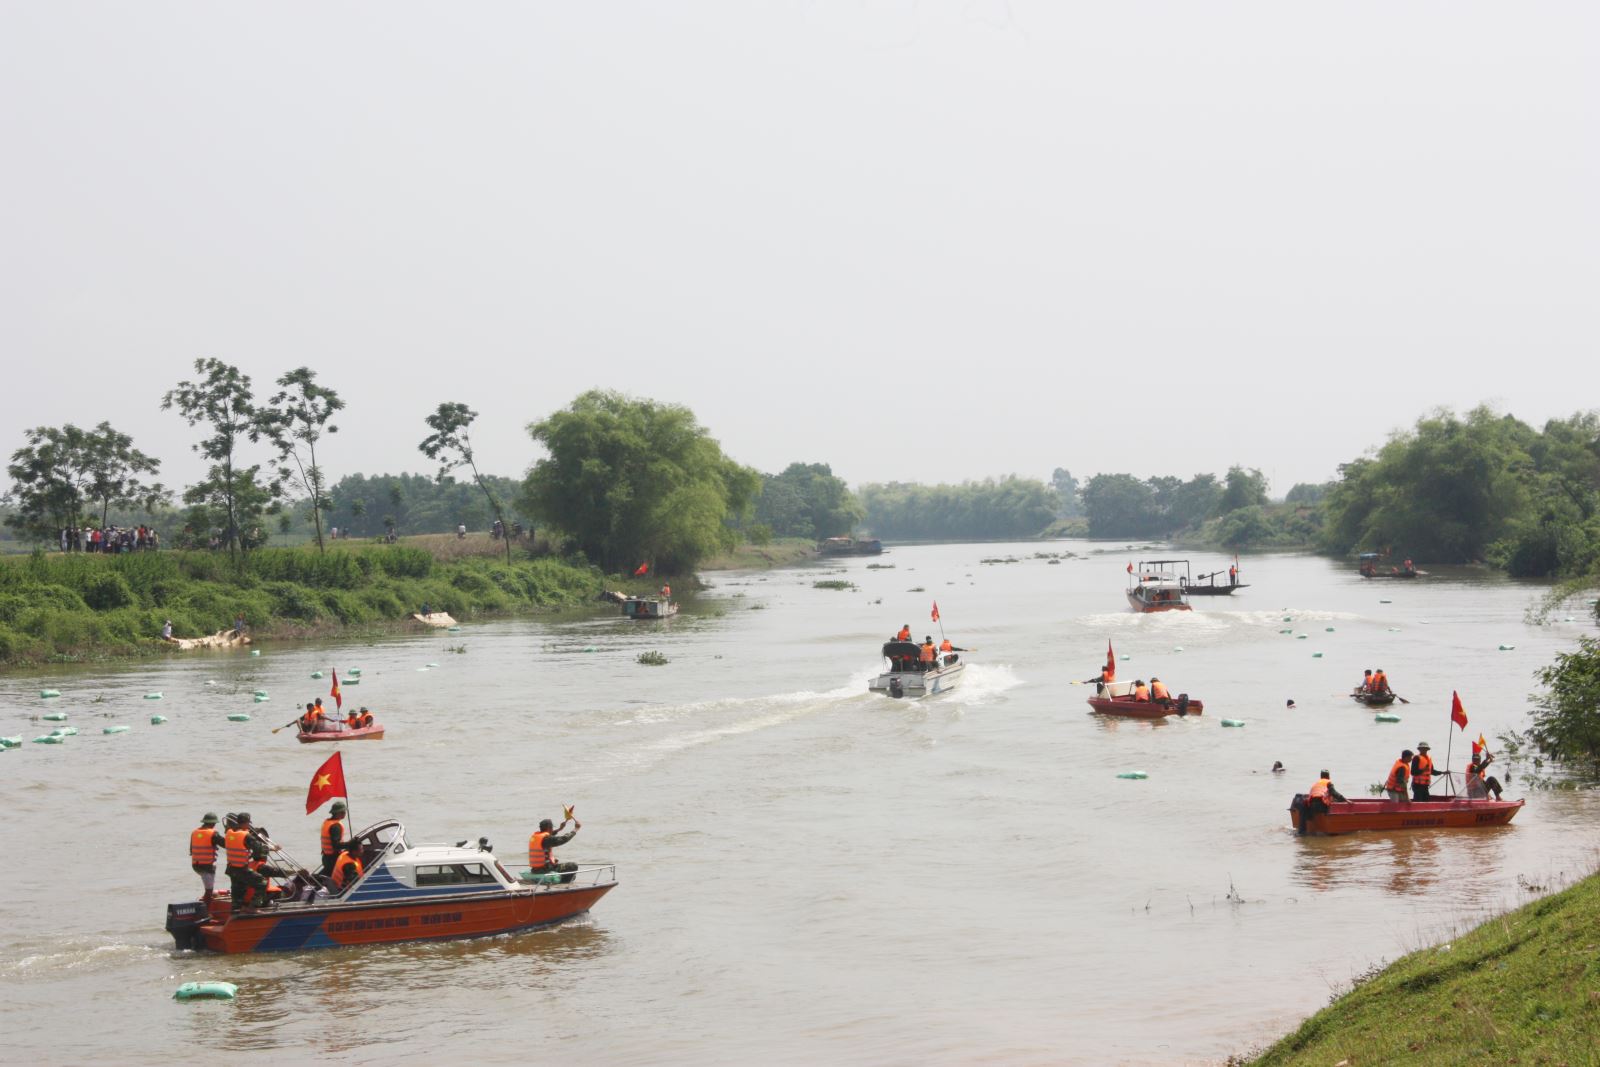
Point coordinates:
[(1458, 714), (1130, 568), (935, 611), (326, 784), (338, 701), (641, 570), (1111, 663)]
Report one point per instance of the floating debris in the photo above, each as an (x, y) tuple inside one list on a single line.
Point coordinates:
[(152, 696), (1385, 717), (239, 716), (55, 716), (157, 720), (50, 694), (115, 730), (1136, 775), (206, 991), (1233, 722)]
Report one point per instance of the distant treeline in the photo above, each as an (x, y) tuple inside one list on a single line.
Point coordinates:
[(362, 505), (991, 509)]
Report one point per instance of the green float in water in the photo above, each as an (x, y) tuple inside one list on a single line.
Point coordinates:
[(1137, 775), (255, 652), (1386, 602), (152, 696), (206, 991), (261, 693), (354, 672), (1328, 629), (430, 665), (1178, 649), (157, 720), (49, 739), (1233, 722), (453, 630), (1385, 717), (1316, 655), (66, 731), (115, 730), (10, 742), (352, 681), (54, 716), (316, 674), (239, 716), (47, 694), (1507, 648)]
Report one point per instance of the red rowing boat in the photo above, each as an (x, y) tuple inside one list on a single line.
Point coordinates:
[(1145, 709), (344, 733), (1447, 812)]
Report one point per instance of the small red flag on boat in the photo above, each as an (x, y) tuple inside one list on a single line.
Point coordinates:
[(326, 784), (1479, 745), (1458, 714), (338, 701), (1111, 663), (641, 570), (1130, 567), (935, 611)]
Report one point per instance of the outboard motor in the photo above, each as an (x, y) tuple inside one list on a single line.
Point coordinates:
[(896, 688), (1183, 703), (183, 923)]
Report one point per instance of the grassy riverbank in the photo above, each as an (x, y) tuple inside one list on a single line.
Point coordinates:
[(1521, 988), (785, 552), (87, 608)]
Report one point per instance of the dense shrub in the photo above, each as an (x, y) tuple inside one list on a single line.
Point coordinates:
[(107, 591)]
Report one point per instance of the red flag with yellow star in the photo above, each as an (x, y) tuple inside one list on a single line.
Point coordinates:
[(326, 784)]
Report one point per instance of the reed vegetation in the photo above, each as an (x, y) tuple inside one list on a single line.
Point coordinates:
[(70, 608)]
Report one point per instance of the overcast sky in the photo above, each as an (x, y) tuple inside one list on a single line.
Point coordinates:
[(918, 241)]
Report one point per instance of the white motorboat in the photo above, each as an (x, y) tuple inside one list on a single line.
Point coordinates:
[(908, 677)]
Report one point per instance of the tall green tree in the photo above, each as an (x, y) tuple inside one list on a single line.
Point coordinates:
[(991, 509), (807, 500), (1566, 716), (450, 444), (295, 420), (1068, 492), (61, 471), (634, 480), (1242, 489)]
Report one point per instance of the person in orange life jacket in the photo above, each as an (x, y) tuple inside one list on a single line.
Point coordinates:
[(348, 867), (352, 721), (1480, 785), (541, 857), (311, 719), (926, 654), (1395, 785), (1421, 772), (1233, 574), (1366, 682), (366, 717), (204, 844), (1317, 798), (904, 634), (333, 837), (666, 591), (1380, 681), (947, 651), (1141, 692), (1159, 691), (1107, 675), (247, 868)]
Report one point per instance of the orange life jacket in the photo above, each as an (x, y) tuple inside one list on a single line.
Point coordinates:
[(309, 720), (1320, 790), (946, 646), (327, 834), (1423, 774), (1397, 776), (347, 870), (1159, 691), (203, 847), (927, 653), (366, 719), (1108, 674), (1380, 682), (666, 590), (904, 634), (238, 845), (353, 720), (1366, 683), (1141, 692), (538, 855)]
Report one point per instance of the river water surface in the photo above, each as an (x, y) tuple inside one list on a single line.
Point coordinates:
[(808, 873)]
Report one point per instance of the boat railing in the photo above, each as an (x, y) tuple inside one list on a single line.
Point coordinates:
[(586, 876)]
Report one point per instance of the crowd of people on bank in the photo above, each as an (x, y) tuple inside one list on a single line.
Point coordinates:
[(108, 538)]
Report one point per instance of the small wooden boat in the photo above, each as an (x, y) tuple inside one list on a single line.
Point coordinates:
[(1160, 586), (1116, 698), (408, 893), (1446, 812), (1371, 565), (906, 676), (1372, 700), (644, 608), (1208, 585), (343, 733), (849, 546)]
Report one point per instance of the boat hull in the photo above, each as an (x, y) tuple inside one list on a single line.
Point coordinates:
[(291, 928), (1141, 709), (1373, 700), (366, 733), (1212, 590), (916, 684), (647, 610), (1455, 814)]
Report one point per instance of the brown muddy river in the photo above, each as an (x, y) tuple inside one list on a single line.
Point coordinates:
[(808, 873)]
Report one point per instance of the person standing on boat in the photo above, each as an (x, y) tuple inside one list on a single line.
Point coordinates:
[(541, 846), (1233, 574), (1395, 785), (247, 860), (204, 843), (1159, 691), (666, 591), (1317, 798), (926, 655), (1421, 772), (904, 634), (333, 837)]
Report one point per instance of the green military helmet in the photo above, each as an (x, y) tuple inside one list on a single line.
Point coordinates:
[(208, 819), (338, 808)]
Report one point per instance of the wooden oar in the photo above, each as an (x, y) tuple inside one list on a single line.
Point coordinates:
[(1400, 698), (291, 722)]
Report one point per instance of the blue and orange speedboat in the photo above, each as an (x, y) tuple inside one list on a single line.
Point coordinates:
[(407, 893)]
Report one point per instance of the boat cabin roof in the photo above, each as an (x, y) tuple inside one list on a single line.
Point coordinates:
[(1157, 569)]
